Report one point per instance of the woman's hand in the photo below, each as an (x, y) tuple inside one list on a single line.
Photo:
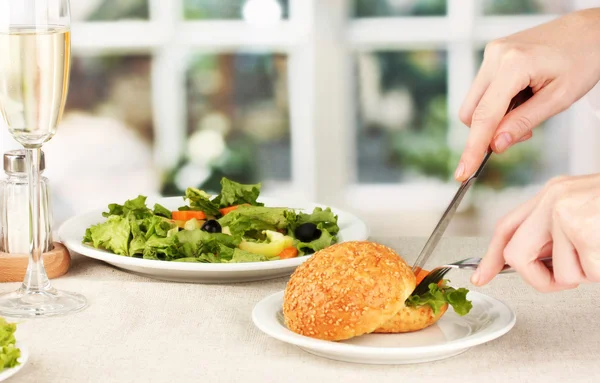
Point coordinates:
[(562, 221), (559, 60)]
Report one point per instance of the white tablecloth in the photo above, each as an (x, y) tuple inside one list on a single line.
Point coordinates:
[(143, 330)]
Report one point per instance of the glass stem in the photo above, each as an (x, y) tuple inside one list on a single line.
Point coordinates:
[(36, 278)]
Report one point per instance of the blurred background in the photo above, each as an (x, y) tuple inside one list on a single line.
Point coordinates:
[(351, 103)]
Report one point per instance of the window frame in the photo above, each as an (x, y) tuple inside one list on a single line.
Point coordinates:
[(320, 40)]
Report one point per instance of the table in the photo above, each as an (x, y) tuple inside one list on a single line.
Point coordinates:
[(142, 330)]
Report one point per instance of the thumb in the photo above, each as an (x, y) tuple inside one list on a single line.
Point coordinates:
[(518, 124)]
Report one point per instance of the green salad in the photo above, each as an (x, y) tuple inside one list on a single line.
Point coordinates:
[(439, 295), (9, 353), (231, 227)]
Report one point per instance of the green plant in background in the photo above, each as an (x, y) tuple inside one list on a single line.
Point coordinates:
[(207, 9), (219, 9), (423, 148), (233, 87), (236, 163), (383, 8), (512, 7), (426, 151), (515, 167), (121, 9)]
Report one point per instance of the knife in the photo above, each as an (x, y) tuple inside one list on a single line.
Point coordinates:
[(439, 230)]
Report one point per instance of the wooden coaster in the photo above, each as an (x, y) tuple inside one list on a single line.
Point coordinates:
[(13, 266)]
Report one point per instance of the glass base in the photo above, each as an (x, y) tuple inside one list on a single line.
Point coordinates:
[(40, 303)]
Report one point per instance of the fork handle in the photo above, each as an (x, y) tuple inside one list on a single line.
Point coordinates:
[(507, 269)]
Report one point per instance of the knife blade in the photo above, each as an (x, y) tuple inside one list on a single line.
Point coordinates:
[(443, 223)]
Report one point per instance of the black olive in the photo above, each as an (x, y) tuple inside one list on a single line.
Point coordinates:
[(211, 226), (307, 232)]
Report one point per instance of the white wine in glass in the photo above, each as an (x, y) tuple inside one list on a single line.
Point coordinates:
[(35, 56), (35, 79)]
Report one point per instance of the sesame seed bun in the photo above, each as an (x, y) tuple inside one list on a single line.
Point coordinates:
[(347, 290), (410, 319)]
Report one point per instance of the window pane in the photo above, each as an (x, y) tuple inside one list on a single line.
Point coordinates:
[(238, 121), (234, 9), (519, 7), (391, 8), (402, 133), (102, 152), (115, 87), (109, 10)]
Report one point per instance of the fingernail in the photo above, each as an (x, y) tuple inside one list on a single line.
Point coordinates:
[(475, 277), (460, 170), (503, 141)]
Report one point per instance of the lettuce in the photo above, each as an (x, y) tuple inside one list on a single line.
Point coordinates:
[(241, 256), (325, 240), (206, 247), (161, 248), (142, 230), (112, 235), (438, 296), (254, 219), (200, 200), (233, 193), (319, 216), (162, 211), (136, 206), (9, 352), (7, 332)]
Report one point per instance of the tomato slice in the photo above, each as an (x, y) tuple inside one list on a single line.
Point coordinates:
[(420, 275), (290, 252), (186, 215), (227, 210)]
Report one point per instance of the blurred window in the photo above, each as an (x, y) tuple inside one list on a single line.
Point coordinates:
[(109, 10), (393, 8), (232, 9), (189, 107)]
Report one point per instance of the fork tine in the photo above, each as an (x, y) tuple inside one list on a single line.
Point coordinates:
[(443, 274), (434, 277)]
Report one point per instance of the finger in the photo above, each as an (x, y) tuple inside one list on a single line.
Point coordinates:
[(486, 117), (526, 137), (478, 88), (493, 261), (522, 120), (528, 245), (579, 221), (565, 260)]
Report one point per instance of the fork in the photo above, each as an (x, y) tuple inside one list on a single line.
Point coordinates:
[(437, 274)]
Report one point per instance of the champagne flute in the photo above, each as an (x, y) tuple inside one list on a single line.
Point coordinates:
[(35, 55)]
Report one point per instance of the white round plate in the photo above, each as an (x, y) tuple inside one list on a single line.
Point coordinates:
[(71, 233), (450, 336), (7, 373)]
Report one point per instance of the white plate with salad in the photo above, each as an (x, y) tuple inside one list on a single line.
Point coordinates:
[(13, 354), (234, 236), (8, 371)]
